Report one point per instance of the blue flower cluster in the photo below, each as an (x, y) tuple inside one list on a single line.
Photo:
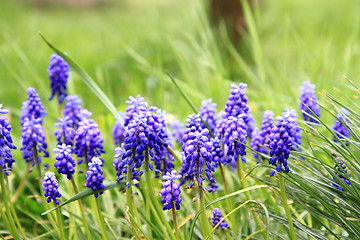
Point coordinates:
[(50, 187), (178, 130), (297, 130), (33, 107), (250, 125), (33, 139), (118, 130), (217, 153), (64, 161), (340, 129), (66, 132), (171, 191), (309, 100), (217, 218), (260, 140), (281, 142), (88, 141), (341, 171), (255, 143), (94, 176), (135, 104), (197, 149), (58, 74), (213, 186), (208, 114), (6, 143), (74, 112), (237, 102)]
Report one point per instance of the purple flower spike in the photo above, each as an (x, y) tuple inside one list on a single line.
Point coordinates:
[(217, 218), (66, 132), (88, 141), (64, 162), (58, 74), (33, 136), (33, 107), (212, 187), (281, 141), (340, 130), (50, 187), (297, 130), (217, 153), (197, 151), (255, 144), (94, 176), (208, 114), (74, 112), (6, 143), (237, 101), (171, 191), (178, 130), (118, 130), (340, 166), (250, 125), (309, 100), (135, 105)]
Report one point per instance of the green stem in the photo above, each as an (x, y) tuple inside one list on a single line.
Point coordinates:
[(239, 171), (287, 210), (100, 220), (61, 223), (87, 231), (129, 200), (147, 195), (10, 220), (205, 227), (175, 223), (5, 219)]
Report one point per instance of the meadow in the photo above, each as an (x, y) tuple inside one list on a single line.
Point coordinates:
[(170, 54)]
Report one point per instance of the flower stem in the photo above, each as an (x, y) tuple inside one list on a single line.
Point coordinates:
[(87, 231), (129, 200), (205, 227), (61, 223), (175, 223), (36, 158), (10, 220), (147, 196), (287, 210), (100, 220)]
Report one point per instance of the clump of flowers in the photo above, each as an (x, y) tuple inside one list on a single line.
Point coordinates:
[(66, 132), (308, 101), (50, 187), (250, 125), (178, 130), (297, 130), (213, 186), (341, 172), (217, 153), (197, 151), (94, 176), (255, 144), (281, 141), (58, 74), (64, 161), (33, 107), (217, 217), (74, 112), (33, 140), (208, 114), (6, 143), (237, 102), (340, 129), (118, 131), (171, 191), (135, 106)]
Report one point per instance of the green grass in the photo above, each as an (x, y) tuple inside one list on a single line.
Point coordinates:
[(128, 47)]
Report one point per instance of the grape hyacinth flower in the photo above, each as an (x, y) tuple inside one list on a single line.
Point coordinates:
[(341, 171), (217, 153), (33, 140), (308, 101), (58, 74), (33, 107), (171, 191), (118, 130), (250, 125), (64, 161), (262, 140), (237, 102), (88, 142), (50, 187), (281, 141), (94, 176), (217, 218), (74, 112), (212, 187), (256, 140), (340, 129), (66, 132), (197, 149), (208, 114), (135, 104), (297, 130), (178, 130), (6, 143)]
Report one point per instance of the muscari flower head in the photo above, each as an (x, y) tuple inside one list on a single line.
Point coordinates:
[(308, 99), (197, 151), (212, 187), (281, 141), (66, 132), (33, 138), (171, 191), (33, 107), (255, 143), (50, 187), (217, 218), (208, 114), (250, 125), (6, 143), (135, 104), (94, 176), (297, 130), (178, 130), (341, 171), (64, 161), (261, 141), (88, 141), (237, 102), (340, 129), (118, 130), (217, 153), (74, 112), (58, 74)]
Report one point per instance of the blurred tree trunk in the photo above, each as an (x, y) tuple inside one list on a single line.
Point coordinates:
[(232, 13)]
